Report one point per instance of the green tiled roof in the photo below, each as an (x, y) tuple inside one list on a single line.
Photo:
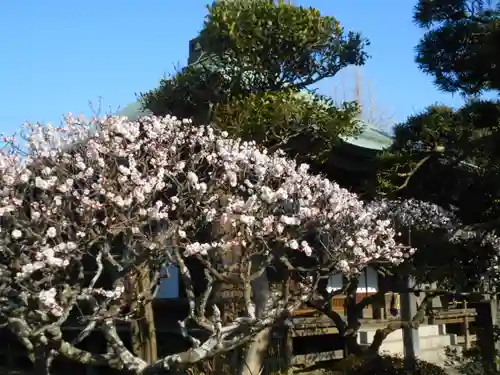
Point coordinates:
[(371, 138), (133, 111)]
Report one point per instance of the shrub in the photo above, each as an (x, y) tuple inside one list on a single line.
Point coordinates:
[(391, 365), (471, 362), (306, 126)]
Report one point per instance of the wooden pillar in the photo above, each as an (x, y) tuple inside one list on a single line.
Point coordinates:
[(411, 340), (466, 327), (494, 321), (485, 320), (288, 337), (378, 305)]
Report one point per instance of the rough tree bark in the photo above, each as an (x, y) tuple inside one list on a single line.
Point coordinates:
[(256, 350), (255, 353), (143, 329)]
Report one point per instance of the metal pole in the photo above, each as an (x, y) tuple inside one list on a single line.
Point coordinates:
[(411, 340)]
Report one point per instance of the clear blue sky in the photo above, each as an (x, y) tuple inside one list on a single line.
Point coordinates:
[(57, 55)]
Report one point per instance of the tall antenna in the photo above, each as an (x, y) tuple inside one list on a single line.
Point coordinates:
[(357, 88)]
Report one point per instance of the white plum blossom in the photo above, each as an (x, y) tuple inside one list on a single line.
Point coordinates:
[(48, 300), (51, 232), (40, 183), (192, 178), (16, 234), (306, 248)]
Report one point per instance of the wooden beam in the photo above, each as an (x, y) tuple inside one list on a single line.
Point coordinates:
[(312, 358), (314, 331)]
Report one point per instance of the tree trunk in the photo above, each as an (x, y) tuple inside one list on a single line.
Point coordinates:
[(255, 353), (256, 350), (42, 363), (143, 329)]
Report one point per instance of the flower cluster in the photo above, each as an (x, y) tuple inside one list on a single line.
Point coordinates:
[(74, 188)]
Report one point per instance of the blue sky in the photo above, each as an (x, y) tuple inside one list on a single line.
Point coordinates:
[(58, 55)]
